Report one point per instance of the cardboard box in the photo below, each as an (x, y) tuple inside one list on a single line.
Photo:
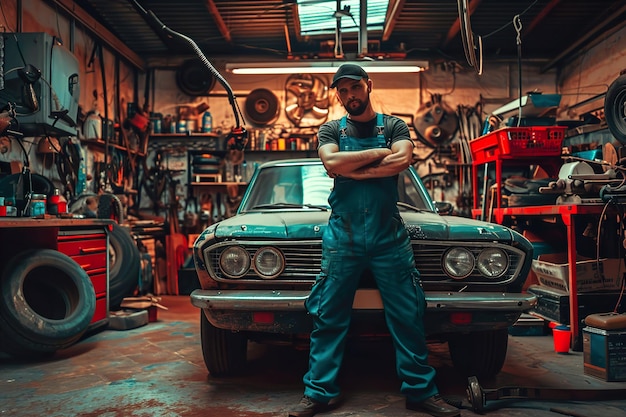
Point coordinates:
[(142, 302), (604, 353), (551, 271), (147, 302)]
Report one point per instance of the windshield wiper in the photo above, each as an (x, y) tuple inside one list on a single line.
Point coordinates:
[(410, 207), (289, 205)]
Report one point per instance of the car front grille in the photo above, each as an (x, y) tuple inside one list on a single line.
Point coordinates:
[(303, 260)]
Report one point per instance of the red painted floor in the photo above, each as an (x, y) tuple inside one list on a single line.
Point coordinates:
[(158, 370)]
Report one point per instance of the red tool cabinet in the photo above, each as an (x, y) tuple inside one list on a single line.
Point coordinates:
[(86, 241), (88, 247)]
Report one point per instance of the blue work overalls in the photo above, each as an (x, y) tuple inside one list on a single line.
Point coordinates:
[(365, 231)]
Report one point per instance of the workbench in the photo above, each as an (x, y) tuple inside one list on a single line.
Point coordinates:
[(560, 216)]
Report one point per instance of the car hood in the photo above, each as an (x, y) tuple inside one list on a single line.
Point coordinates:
[(307, 224)]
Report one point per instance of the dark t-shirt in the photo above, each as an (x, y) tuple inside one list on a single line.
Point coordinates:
[(395, 128)]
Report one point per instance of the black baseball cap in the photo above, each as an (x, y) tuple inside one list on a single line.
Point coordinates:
[(351, 71)]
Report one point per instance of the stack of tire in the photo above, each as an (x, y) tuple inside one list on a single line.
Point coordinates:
[(47, 300)]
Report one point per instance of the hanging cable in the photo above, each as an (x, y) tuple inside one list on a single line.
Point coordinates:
[(517, 24), (467, 38), (238, 136)]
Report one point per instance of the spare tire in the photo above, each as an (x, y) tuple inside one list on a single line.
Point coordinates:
[(615, 108), (46, 303), (262, 107), (124, 265), (194, 78)]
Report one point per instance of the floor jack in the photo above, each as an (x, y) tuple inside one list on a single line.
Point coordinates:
[(478, 396)]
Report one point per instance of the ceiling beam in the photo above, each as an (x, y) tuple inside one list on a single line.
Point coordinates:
[(456, 26), (219, 21), (296, 22), (102, 33), (393, 11), (541, 16)]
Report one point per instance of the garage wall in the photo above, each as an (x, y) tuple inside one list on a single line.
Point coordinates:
[(591, 73), (393, 93), (461, 89), (445, 169), (39, 16)]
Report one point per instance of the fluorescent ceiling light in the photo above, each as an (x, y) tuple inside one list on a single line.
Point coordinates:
[(321, 67)]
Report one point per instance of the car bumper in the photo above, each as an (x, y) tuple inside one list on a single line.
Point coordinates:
[(364, 300), (446, 313)]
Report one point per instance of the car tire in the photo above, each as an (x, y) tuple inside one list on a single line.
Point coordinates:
[(124, 265), (614, 107), (480, 354), (46, 303), (225, 352)]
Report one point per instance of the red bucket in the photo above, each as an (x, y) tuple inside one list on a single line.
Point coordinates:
[(562, 339)]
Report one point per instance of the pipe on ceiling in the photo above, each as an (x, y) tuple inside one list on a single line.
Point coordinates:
[(362, 28)]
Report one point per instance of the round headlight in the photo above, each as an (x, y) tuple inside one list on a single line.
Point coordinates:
[(492, 262), (458, 262), (234, 261), (268, 262)]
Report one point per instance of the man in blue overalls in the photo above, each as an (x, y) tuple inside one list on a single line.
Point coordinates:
[(364, 151)]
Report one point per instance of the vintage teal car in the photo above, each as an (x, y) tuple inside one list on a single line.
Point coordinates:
[(256, 270)]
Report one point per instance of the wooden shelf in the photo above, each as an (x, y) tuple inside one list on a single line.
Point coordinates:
[(98, 143), (264, 151), (192, 136), (218, 184)]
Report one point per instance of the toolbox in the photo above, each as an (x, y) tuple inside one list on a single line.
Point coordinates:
[(553, 304), (604, 353)]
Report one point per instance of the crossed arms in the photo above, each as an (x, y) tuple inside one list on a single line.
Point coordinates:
[(369, 163)]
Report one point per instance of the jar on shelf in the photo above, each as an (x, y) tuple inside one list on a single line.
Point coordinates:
[(37, 206)]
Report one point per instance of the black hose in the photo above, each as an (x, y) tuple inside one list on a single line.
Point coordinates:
[(231, 96)]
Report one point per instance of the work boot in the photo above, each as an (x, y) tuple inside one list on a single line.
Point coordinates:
[(307, 408), (435, 406)]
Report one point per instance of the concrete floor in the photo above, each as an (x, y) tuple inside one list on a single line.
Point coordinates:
[(158, 370)]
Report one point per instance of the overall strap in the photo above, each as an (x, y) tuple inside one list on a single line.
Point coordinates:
[(343, 127), (380, 130)]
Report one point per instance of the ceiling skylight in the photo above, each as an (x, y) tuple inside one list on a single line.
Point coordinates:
[(319, 17)]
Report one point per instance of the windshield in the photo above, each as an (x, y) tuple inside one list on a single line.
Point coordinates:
[(308, 186)]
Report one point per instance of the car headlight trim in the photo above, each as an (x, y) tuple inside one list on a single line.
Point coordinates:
[(268, 262), (458, 262), (234, 262), (492, 262)]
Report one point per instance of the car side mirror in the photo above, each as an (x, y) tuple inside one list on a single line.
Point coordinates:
[(443, 207)]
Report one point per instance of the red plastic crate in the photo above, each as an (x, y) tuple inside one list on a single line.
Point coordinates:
[(518, 141)]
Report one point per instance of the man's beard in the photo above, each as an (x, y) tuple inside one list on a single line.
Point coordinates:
[(357, 111)]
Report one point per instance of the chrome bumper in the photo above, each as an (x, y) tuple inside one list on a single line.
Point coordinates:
[(268, 300)]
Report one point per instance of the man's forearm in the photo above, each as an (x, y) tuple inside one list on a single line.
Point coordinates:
[(388, 166), (347, 162), (378, 170)]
